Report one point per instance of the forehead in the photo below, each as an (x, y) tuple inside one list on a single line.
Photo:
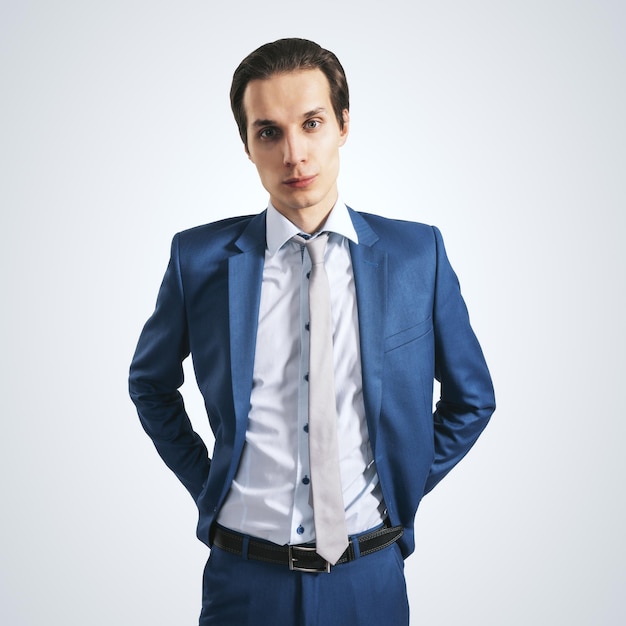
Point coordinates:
[(286, 95)]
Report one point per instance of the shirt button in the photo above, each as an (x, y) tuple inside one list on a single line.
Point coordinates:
[(300, 530), (306, 377), (305, 428), (306, 480), (307, 326), (308, 274)]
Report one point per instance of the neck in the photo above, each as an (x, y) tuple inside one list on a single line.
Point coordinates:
[(306, 224), (308, 219)]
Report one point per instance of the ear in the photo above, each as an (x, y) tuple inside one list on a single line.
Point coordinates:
[(343, 133)]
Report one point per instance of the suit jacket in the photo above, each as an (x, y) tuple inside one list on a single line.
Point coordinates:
[(413, 327)]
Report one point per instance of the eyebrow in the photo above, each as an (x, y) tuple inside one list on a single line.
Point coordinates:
[(314, 112), (311, 113)]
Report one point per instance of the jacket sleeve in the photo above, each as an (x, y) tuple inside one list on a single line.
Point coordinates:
[(467, 398), (156, 374)]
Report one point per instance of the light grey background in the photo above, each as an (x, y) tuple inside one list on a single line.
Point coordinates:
[(500, 121)]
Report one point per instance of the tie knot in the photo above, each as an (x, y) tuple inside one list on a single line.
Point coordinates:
[(317, 247)]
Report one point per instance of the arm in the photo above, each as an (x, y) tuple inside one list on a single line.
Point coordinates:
[(467, 399), (156, 374)]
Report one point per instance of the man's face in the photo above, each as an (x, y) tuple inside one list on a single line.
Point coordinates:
[(294, 140)]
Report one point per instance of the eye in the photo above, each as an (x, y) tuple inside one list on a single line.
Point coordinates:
[(268, 133), (312, 124)]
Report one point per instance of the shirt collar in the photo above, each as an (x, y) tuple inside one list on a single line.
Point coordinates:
[(279, 229)]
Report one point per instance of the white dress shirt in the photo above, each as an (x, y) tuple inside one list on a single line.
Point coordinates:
[(269, 497)]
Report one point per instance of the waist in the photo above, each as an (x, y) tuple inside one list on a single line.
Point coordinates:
[(303, 557)]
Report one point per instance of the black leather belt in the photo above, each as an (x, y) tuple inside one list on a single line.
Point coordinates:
[(303, 558)]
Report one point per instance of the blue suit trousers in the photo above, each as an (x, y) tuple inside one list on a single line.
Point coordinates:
[(368, 591)]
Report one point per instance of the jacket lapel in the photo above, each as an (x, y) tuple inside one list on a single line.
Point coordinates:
[(245, 274), (369, 265)]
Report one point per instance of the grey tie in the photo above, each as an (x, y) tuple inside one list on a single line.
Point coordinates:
[(327, 496)]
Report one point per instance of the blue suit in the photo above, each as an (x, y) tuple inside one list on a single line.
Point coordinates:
[(413, 327)]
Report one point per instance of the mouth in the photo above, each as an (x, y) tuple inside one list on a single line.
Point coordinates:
[(299, 182)]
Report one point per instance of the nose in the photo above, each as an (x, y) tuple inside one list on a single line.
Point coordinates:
[(294, 149)]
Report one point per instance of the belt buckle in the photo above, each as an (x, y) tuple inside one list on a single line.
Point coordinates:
[(293, 565)]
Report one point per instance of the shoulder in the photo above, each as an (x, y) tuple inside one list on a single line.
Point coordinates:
[(222, 237), (396, 233), (221, 229)]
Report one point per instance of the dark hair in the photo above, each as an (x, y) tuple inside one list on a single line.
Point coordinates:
[(288, 55)]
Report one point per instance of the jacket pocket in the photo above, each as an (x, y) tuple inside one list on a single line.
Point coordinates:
[(409, 334)]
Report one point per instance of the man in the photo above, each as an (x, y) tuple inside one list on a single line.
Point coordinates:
[(296, 538)]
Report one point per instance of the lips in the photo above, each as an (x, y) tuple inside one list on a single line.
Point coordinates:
[(299, 182)]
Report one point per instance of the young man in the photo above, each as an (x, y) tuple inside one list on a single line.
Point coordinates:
[(317, 375)]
